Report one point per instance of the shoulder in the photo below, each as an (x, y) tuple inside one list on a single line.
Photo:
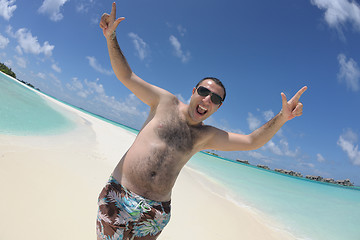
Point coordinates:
[(165, 101), (168, 98)]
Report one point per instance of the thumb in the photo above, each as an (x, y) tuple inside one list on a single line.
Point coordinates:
[(116, 23), (284, 100)]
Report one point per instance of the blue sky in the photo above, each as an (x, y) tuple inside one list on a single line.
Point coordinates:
[(257, 48)]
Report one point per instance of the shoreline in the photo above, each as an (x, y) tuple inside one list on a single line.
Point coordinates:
[(215, 211)]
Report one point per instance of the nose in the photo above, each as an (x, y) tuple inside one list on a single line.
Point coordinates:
[(207, 99)]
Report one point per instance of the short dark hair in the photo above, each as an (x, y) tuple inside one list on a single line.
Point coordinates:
[(217, 81)]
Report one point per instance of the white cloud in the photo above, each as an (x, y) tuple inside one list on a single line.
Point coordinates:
[(95, 98), (56, 68), (273, 148), (281, 149), (320, 158), (268, 115), (9, 31), (41, 75), (9, 63), (181, 30), (21, 62), (52, 8), (253, 122), (349, 73), (95, 20), (3, 42), (140, 46), (286, 150), (78, 87), (257, 155), (339, 12), (95, 65), (94, 87), (56, 81), (76, 84), (7, 8), (84, 6), (185, 57), (307, 165), (348, 143), (19, 50), (30, 44)]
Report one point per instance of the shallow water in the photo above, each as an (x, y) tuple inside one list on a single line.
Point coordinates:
[(307, 209), (24, 112)]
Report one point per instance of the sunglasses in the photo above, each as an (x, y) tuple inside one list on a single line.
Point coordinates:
[(203, 91)]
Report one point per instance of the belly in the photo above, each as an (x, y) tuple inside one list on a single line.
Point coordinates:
[(151, 172)]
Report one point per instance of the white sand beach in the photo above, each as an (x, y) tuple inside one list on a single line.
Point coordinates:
[(50, 186)]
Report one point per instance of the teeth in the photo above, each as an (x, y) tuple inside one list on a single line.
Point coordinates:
[(202, 108)]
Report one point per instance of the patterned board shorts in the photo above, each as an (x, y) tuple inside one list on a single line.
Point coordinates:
[(125, 215)]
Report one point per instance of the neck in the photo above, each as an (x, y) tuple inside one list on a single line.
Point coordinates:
[(187, 116)]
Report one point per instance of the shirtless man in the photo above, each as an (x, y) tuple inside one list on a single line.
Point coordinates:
[(135, 203)]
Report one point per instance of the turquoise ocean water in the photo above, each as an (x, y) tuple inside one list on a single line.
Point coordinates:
[(22, 112), (307, 209)]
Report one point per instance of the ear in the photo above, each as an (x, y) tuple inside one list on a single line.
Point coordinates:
[(193, 91), (220, 105)]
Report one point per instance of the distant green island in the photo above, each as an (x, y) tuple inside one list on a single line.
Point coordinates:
[(5, 69)]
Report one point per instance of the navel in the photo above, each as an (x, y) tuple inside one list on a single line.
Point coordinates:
[(153, 174)]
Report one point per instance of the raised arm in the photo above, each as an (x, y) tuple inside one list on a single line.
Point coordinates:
[(146, 92), (227, 141)]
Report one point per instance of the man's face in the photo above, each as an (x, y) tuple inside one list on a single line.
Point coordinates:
[(201, 107)]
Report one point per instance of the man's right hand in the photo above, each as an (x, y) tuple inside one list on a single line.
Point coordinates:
[(109, 23)]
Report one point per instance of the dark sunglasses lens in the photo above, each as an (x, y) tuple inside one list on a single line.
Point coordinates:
[(216, 99), (203, 91)]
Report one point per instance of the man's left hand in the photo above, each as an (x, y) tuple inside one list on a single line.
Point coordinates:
[(293, 107)]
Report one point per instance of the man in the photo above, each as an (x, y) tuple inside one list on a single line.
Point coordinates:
[(135, 203)]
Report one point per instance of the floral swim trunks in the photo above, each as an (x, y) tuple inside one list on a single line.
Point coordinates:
[(125, 215)]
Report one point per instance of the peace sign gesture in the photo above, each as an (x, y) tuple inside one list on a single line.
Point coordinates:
[(293, 107), (109, 23)]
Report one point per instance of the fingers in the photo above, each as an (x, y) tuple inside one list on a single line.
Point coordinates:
[(292, 108), (116, 23), (298, 110), (299, 93), (113, 12), (108, 22), (284, 100), (104, 21)]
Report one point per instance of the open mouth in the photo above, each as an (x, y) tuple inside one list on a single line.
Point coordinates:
[(201, 110)]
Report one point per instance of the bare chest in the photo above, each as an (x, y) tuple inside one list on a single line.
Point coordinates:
[(176, 134)]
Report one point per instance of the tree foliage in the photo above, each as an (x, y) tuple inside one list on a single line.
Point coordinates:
[(7, 70)]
